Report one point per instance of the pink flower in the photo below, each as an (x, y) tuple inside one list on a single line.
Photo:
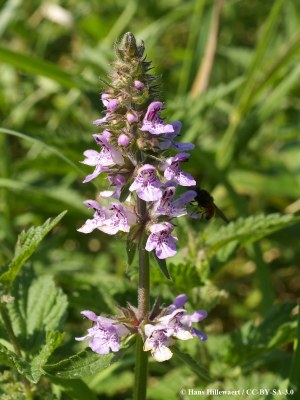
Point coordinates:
[(158, 340), (104, 335), (161, 241), (153, 123), (174, 172), (146, 184)]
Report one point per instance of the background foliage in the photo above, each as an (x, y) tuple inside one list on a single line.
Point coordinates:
[(245, 125)]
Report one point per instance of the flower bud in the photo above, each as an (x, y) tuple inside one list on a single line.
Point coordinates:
[(123, 140), (138, 85), (112, 105), (128, 44), (132, 117)]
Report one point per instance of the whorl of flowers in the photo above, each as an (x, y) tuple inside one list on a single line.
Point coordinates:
[(137, 152), (165, 325)]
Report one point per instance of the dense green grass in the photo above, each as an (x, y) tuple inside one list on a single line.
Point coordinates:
[(245, 125)]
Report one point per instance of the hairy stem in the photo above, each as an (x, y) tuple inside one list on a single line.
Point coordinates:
[(141, 363)]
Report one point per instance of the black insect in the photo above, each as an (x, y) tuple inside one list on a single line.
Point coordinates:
[(205, 202)]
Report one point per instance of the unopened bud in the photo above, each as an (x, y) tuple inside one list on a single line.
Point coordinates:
[(128, 44), (138, 85), (123, 140), (112, 105), (132, 117)]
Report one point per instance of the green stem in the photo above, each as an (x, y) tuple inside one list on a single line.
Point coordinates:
[(141, 370), (141, 363), (295, 368), (14, 342)]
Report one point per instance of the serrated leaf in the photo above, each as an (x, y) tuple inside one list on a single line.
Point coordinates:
[(85, 363), (163, 267), (191, 363), (39, 306), (26, 245), (277, 329), (11, 359), (249, 230), (184, 277), (53, 340)]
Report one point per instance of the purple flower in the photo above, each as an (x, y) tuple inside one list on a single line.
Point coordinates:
[(138, 85), (180, 324), (100, 121), (109, 221), (116, 182), (146, 184), (153, 123), (100, 216), (123, 140), (105, 333), (161, 240), (132, 117), (108, 102), (179, 302), (119, 220), (108, 156), (166, 140), (103, 140), (173, 170), (173, 208), (158, 340)]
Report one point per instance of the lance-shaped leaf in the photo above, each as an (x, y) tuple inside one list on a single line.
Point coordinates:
[(82, 364), (191, 363), (53, 340), (249, 230), (163, 267), (26, 245)]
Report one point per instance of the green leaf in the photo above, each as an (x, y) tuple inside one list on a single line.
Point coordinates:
[(53, 340), (163, 267), (131, 247), (51, 149), (37, 66), (192, 364), (39, 306), (11, 359), (82, 364), (26, 245), (32, 371), (249, 230), (294, 377), (46, 305), (75, 388), (250, 341)]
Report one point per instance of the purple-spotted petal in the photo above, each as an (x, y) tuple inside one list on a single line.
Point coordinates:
[(161, 241), (146, 184)]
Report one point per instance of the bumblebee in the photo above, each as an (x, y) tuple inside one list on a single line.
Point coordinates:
[(205, 202)]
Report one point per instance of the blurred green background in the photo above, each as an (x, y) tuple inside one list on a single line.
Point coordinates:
[(238, 102)]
